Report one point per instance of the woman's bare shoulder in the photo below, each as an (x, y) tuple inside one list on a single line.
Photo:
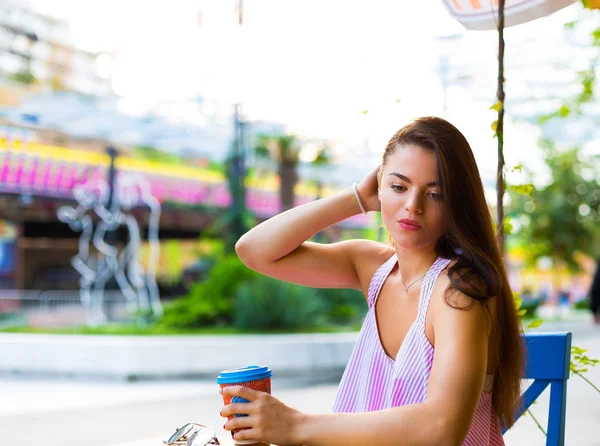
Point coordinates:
[(446, 299), (369, 251), (454, 298), (368, 256), (371, 248)]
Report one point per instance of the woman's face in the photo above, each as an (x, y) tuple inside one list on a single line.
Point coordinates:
[(411, 199)]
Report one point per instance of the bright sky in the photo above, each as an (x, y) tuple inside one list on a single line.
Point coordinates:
[(311, 64)]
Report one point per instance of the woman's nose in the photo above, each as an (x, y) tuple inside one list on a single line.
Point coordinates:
[(414, 204)]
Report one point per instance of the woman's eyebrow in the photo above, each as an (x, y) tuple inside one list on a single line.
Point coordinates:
[(409, 181)]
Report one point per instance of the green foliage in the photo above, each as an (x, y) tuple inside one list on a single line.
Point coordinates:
[(343, 306), (24, 76), (323, 158), (209, 302), (590, 4), (588, 81), (231, 226), (12, 318), (234, 293), (151, 153), (535, 324), (527, 310), (376, 231), (562, 218), (287, 149), (172, 252), (497, 106), (580, 362), (268, 304), (596, 37), (573, 106), (215, 166), (507, 226), (278, 148), (522, 189), (583, 304), (283, 153)]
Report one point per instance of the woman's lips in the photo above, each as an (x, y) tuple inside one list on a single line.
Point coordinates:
[(409, 225)]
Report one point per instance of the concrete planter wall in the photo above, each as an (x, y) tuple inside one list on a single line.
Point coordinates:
[(136, 357)]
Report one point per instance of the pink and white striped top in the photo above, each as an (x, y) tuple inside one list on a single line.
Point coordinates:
[(373, 381)]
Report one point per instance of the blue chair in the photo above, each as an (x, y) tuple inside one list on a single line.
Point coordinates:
[(548, 361)]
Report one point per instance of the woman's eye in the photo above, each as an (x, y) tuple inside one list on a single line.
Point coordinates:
[(398, 188), (435, 195)]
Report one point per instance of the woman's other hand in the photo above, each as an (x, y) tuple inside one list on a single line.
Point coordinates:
[(268, 420), (368, 190)]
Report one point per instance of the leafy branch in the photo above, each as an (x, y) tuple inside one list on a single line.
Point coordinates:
[(580, 363)]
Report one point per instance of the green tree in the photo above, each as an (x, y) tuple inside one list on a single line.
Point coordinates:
[(284, 151), (151, 153), (24, 76), (560, 219)]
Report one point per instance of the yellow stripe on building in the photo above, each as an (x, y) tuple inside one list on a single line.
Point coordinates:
[(181, 172)]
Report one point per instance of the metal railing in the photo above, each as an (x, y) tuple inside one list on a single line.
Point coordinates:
[(56, 308)]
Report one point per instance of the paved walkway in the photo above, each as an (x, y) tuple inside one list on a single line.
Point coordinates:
[(74, 412)]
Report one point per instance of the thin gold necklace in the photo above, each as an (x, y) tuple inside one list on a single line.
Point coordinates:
[(406, 287)]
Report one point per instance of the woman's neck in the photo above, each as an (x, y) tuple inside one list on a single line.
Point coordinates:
[(414, 263)]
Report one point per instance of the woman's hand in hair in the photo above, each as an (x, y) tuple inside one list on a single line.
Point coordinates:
[(368, 190)]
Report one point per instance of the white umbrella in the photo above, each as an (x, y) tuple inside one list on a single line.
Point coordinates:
[(483, 14)]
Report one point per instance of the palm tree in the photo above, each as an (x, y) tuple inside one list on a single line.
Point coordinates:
[(284, 151)]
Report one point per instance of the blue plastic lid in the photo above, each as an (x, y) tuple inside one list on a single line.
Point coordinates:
[(244, 374)]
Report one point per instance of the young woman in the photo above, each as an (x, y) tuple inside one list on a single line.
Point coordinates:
[(439, 358)]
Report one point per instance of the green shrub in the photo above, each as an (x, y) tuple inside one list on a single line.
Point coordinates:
[(269, 304), (209, 302), (342, 305), (583, 304), (12, 318), (187, 312), (260, 302), (530, 308)]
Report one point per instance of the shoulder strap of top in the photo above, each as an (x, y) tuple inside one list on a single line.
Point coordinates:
[(378, 278), (438, 266)]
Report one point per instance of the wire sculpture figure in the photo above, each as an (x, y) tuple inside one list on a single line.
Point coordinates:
[(99, 227)]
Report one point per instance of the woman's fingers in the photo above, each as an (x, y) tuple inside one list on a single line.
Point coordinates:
[(241, 391), (237, 409), (247, 434), (368, 190), (239, 423)]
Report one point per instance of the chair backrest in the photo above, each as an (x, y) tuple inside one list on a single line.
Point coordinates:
[(548, 363)]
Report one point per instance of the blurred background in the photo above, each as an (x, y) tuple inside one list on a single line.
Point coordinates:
[(139, 140)]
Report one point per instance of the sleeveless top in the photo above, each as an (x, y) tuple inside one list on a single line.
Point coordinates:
[(373, 381)]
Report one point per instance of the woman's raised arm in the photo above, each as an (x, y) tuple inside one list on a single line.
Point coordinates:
[(278, 247)]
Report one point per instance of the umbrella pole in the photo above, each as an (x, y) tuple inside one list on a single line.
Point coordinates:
[(500, 131)]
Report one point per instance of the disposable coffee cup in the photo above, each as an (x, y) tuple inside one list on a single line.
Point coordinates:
[(255, 377)]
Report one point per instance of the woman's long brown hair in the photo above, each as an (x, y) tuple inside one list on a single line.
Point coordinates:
[(478, 270)]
